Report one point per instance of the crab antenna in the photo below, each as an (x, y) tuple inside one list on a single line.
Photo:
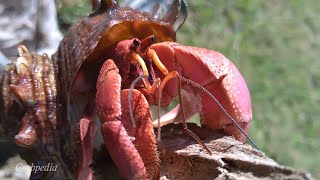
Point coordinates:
[(133, 123), (185, 127), (171, 75), (194, 84)]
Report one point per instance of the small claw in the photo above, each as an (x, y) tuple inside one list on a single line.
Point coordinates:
[(175, 114), (168, 118), (87, 136)]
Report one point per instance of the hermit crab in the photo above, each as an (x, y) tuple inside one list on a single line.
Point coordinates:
[(111, 66)]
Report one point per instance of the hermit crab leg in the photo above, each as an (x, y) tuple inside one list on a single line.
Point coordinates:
[(87, 131), (116, 139), (136, 157)]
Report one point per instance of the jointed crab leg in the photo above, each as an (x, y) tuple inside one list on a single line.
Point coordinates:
[(87, 135), (112, 109)]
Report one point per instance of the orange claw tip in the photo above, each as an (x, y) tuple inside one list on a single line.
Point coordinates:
[(26, 137)]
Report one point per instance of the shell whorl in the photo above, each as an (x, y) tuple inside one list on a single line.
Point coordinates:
[(30, 81)]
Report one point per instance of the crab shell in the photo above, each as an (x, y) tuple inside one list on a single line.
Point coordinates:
[(83, 50), (87, 41)]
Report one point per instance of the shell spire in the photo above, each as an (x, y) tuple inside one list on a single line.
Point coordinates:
[(108, 4)]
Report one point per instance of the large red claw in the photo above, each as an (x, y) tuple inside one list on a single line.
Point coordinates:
[(216, 74)]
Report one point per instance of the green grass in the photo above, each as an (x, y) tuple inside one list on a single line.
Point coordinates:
[(276, 46)]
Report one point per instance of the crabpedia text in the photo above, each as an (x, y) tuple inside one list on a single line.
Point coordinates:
[(41, 168)]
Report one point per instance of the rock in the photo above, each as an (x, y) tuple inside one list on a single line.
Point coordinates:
[(183, 158), (15, 169), (35, 25)]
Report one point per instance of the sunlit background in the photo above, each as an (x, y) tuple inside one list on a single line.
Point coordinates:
[(276, 46)]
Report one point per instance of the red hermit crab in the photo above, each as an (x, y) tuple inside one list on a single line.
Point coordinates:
[(89, 78)]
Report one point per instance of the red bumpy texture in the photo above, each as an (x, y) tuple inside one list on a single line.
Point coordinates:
[(134, 151), (219, 76)]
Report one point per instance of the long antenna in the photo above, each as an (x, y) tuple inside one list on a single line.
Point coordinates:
[(133, 123)]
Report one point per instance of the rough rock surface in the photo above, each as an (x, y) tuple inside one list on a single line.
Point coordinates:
[(183, 158)]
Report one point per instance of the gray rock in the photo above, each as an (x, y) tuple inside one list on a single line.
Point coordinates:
[(15, 169), (32, 23), (183, 158)]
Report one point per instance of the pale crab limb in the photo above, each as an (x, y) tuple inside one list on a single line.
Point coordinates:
[(86, 141), (175, 115), (118, 142), (169, 117), (88, 129)]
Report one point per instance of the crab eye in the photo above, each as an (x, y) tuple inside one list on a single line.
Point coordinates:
[(135, 44)]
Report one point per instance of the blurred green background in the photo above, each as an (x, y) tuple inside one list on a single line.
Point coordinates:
[(276, 46)]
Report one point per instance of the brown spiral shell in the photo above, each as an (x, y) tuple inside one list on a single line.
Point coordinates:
[(88, 39)]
